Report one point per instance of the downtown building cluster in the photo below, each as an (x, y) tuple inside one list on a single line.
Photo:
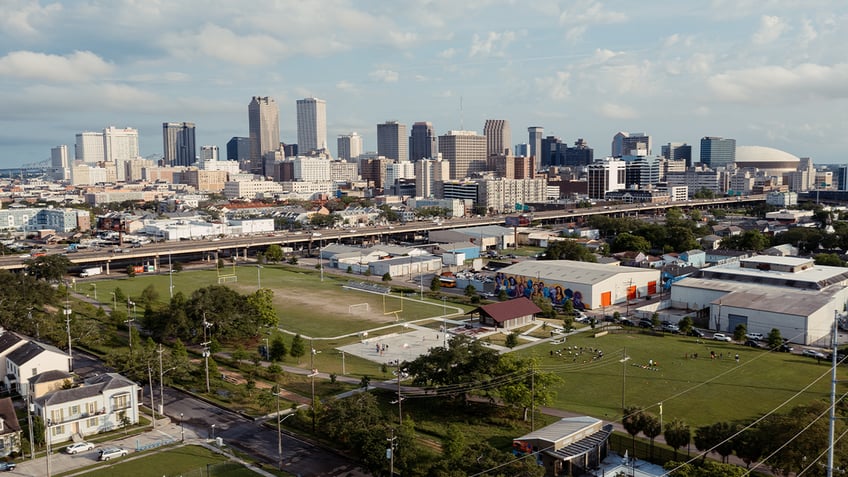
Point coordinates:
[(487, 172)]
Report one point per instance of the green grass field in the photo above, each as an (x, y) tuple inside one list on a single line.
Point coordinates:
[(700, 391), (180, 461)]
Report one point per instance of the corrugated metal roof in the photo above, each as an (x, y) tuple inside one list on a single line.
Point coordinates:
[(511, 309), (584, 445), (572, 271), (773, 299), (561, 429)]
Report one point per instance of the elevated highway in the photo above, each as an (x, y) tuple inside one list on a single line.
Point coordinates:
[(208, 249)]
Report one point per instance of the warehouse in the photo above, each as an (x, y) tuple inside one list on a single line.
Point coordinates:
[(791, 294), (590, 285)]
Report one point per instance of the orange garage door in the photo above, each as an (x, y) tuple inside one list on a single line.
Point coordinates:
[(606, 298)]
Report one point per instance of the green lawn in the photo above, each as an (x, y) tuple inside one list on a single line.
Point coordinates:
[(700, 391), (186, 460)]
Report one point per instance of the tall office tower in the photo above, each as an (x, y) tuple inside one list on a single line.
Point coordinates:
[(465, 151), (535, 142), (89, 147), (422, 141), (605, 175), (631, 144), (717, 151), (179, 145), (842, 177), (391, 139), (579, 155), (264, 125), (551, 152), (311, 124), (498, 137), (349, 146), (209, 153), (238, 149), (642, 173), (119, 146), (677, 151), (59, 163), (429, 173), (521, 150)]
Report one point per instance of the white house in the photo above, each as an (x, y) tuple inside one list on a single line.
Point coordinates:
[(30, 359), (100, 404)]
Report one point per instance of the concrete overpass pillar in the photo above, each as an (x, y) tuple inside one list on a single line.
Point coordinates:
[(108, 262)]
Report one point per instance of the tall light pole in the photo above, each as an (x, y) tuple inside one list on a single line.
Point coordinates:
[(130, 319), (170, 276), (206, 350), (182, 429), (95, 291), (67, 312), (320, 261), (445, 319), (259, 276), (280, 430)]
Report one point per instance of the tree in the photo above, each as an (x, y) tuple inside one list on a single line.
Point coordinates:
[(454, 444), (435, 284), (387, 277), (278, 349), (739, 332), (149, 294), (632, 422), (262, 301), (511, 340), (568, 308), (774, 340), (677, 435), (293, 261), (130, 271), (568, 322), (651, 427), (749, 446), (274, 253), (655, 320), (685, 324), (568, 250), (50, 268), (470, 290), (830, 259), (628, 242), (298, 347), (178, 267)]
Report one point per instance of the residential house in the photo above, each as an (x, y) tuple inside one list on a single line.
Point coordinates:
[(8, 342), (100, 404), (10, 428), (29, 360), (49, 381)]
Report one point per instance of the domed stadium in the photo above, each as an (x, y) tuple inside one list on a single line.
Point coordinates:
[(767, 158)]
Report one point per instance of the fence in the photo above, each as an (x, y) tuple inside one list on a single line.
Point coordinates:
[(661, 453), (154, 444), (224, 469)]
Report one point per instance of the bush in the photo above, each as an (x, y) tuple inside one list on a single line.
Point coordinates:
[(387, 277)]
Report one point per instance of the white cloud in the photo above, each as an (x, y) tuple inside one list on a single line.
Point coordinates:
[(218, 42), (78, 66), (493, 45), (447, 54), (586, 13), (771, 28), (778, 84), (602, 55), (617, 111), (808, 32), (555, 87), (345, 85), (386, 76), (21, 19)]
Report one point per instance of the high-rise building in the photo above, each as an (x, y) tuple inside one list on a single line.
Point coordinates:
[(522, 150), (535, 142), (238, 149), (605, 175), (391, 141), (59, 169), (429, 174), (717, 151), (179, 144), (422, 141), (465, 151), (349, 146), (264, 125), (119, 146), (311, 124), (498, 137), (209, 153), (631, 144), (677, 151), (89, 147)]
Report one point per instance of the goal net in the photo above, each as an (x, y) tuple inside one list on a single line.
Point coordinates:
[(227, 279), (358, 309)]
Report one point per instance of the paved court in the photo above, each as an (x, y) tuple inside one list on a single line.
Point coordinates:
[(415, 341)]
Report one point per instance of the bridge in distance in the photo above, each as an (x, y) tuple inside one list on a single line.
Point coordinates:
[(160, 252)]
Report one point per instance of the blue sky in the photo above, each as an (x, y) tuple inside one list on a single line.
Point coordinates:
[(766, 72)]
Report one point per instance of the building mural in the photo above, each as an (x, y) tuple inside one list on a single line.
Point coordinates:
[(517, 286)]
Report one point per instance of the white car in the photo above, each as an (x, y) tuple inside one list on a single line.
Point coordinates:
[(81, 446), (112, 452), (722, 337), (754, 336), (813, 354)]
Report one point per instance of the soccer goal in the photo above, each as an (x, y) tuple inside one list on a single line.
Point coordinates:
[(227, 279), (392, 305), (358, 309)]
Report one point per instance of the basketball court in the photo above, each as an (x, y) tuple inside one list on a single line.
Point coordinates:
[(415, 341)]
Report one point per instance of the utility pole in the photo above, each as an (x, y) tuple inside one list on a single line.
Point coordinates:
[(399, 397), (152, 403), (279, 431), (533, 397), (170, 276), (205, 345), (161, 392), (29, 422), (68, 324), (623, 375), (834, 341), (391, 453)]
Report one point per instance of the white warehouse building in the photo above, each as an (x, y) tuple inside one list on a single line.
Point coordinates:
[(791, 294)]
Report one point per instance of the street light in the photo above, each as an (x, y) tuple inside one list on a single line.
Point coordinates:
[(170, 276), (259, 276), (182, 429), (213, 432)]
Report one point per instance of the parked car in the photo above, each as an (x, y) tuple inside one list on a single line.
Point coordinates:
[(81, 446), (785, 348), (626, 322), (112, 452), (753, 344), (813, 354), (696, 333), (646, 323), (7, 466), (671, 328), (754, 336), (722, 337), (581, 317)]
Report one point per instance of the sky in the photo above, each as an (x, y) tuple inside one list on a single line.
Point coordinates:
[(765, 72)]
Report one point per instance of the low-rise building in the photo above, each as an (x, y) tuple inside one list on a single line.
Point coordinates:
[(29, 360), (10, 428)]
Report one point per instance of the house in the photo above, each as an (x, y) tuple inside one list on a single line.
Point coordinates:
[(30, 359), (570, 446), (508, 314), (8, 342), (49, 381), (100, 404), (10, 428)]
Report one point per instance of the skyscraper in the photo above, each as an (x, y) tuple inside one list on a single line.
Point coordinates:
[(391, 141), (209, 153), (498, 137), (631, 144), (59, 163), (119, 146), (428, 175), (422, 141), (264, 125), (179, 145), (238, 149), (465, 151), (89, 147), (349, 146), (535, 143), (717, 151), (677, 151), (311, 124)]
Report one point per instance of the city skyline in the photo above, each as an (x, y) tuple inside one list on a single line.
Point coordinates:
[(765, 73)]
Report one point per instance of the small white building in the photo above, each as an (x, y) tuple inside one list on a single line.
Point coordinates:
[(102, 403), (29, 360)]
